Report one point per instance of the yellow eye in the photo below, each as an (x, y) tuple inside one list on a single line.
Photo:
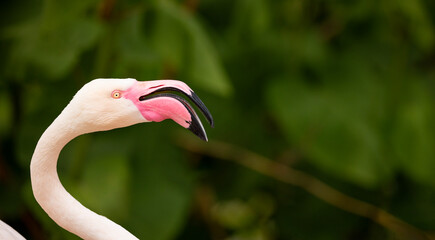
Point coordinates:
[(116, 94)]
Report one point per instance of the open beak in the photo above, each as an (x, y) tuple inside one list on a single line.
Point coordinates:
[(166, 99)]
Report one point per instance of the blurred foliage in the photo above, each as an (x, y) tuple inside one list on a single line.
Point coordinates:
[(343, 90)]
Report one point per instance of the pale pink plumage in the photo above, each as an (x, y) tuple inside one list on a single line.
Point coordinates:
[(8, 233)]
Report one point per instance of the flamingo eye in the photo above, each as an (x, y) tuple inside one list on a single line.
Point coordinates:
[(116, 94)]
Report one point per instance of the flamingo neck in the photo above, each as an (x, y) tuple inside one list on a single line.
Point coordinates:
[(63, 208), (6, 232)]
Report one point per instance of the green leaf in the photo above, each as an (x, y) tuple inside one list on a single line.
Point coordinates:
[(251, 19), (419, 22), (50, 45), (332, 128), (162, 184), (135, 56), (55, 13), (181, 40), (234, 214), (105, 177), (414, 134)]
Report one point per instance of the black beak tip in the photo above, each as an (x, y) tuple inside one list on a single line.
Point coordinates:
[(202, 107), (198, 131)]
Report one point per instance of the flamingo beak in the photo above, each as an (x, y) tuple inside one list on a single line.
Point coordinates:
[(166, 99)]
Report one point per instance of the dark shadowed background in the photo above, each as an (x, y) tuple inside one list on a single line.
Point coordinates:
[(325, 110)]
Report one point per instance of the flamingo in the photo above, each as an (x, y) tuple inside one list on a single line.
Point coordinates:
[(101, 105), (7, 232)]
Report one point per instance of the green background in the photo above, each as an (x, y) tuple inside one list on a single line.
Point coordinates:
[(340, 90)]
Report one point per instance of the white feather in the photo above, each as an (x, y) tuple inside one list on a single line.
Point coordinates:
[(8, 233)]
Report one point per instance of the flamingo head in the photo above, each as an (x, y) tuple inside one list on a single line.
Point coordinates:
[(105, 104)]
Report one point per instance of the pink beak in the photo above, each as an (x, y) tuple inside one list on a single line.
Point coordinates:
[(163, 99)]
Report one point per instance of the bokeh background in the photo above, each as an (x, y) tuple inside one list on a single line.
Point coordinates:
[(325, 110)]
